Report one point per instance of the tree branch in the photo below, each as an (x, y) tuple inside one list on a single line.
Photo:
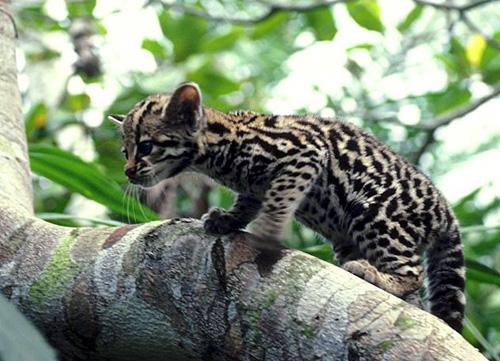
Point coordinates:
[(271, 10), (428, 141), (449, 6), (166, 290), (13, 21), (447, 118), (490, 40), (451, 116)]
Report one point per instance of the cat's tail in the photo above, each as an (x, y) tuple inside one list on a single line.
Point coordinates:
[(445, 277)]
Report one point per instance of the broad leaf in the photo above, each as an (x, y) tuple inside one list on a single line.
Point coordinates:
[(456, 59), (186, 33), (322, 23), (411, 18), (86, 179), (77, 102), (481, 273), (451, 98), (52, 217), (366, 13), (156, 48), (37, 118), (208, 77), (269, 25), (322, 251), (362, 46), (490, 52), (223, 42), (489, 64), (80, 8), (35, 16)]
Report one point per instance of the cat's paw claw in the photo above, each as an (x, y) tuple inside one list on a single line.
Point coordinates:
[(363, 270), (218, 221)]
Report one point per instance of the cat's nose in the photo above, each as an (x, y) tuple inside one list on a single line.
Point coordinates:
[(130, 172)]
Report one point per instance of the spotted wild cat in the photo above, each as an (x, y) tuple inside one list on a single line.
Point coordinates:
[(381, 213)]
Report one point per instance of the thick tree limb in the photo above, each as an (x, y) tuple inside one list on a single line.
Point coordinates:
[(168, 291)]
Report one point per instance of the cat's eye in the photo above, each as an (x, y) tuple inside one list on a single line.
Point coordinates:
[(125, 153), (145, 148)]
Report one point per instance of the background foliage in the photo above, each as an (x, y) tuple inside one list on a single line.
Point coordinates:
[(415, 76)]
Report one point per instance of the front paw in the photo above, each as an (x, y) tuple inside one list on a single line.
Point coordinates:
[(219, 221)]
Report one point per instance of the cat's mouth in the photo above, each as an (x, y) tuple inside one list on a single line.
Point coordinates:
[(155, 176)]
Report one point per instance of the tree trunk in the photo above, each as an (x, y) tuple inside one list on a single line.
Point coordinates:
[(168, 291)]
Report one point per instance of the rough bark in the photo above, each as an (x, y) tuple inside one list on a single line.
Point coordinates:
[(168, 291)]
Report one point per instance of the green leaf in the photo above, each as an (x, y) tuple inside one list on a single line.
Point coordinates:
[(37, 118), (42, 55), (489, 64), (471, 328), (34, 17), (480, 273), (86, 179), (156, 48), (490, 53), (362, 46), (224, 198), (491, 75), (456, 59), (471, 229), (451, 98), (127, 99), (19, 339), (322, 23), (322, 251), (410, 18), (80, 8), (100, 29), (208, 77), (58, 216), (269, 25), (223, 42), (77, 102), (186, 34), (458, 51), (367, 14)]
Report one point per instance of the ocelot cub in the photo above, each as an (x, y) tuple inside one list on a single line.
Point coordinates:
[(381, 213)]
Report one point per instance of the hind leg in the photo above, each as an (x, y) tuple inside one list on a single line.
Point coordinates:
[(351, 259), (399, 285), (390, 263)]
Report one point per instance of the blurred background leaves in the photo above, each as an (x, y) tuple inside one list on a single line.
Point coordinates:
[(423, 76)]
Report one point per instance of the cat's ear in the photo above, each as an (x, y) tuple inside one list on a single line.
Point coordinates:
[(185, 109), (117, 119)]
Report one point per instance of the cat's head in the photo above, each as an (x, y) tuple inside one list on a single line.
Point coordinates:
[(161, 134)]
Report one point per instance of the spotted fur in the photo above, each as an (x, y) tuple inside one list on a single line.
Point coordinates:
[(380, 212)]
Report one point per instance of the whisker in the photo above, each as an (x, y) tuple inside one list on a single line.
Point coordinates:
[(127, 194), (141, 208), (134, 197), (124, 197)]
